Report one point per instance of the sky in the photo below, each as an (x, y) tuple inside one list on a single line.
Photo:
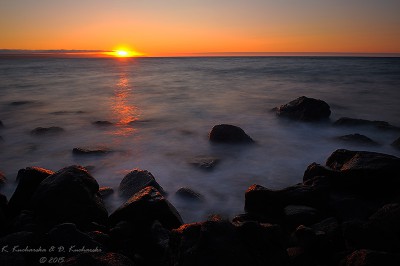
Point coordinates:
[(179, 27)]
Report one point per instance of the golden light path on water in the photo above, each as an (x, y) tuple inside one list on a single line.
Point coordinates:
[(123, 110)]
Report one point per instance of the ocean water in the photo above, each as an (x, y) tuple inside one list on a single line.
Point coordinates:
[(174, 103)]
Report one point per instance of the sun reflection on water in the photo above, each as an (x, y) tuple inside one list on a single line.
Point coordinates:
[(124, 111)]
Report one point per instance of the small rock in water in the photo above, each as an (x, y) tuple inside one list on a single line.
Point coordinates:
[(45, 131), (204, 163), (17, 103), (229, 134), (304, 109), (357, 139), (106, 191), (349, 122), (89, 151), (189, 194), (137, 180), (396, 143), (102, 123)]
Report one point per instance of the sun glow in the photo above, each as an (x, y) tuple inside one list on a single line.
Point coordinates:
[(123, 52)]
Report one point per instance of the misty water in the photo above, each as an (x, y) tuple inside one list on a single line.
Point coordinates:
[(174, 103)]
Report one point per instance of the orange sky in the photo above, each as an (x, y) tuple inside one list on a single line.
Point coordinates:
[(170, 27)]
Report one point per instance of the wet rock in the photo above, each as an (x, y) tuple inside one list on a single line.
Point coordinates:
[(315, 169), (229, 134), (365, 172), (304, 109), (146, 206), (28, 181), (222, 243), (46, 131), (99, 259), (204, 162), (396, 143), (137, 180), (354, 122), (357, 139), (331, 228), (365, 257), (103, 123), (106, 191), (90, 151), (270, 204), (69, 195), (189, 194)]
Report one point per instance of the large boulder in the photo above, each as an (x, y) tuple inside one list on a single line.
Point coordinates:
[(69, 195), (221, 243), (146, 206), (355, 122), (368, 172), (28, 181), (304, 109), (137, 180), (270, 204), (229, 134)]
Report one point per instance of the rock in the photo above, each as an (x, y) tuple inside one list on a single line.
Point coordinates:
[(19, 240), (364, 257), (204, 163), (3, 213), (229, 134), (331, 228), (357, 139), (1, 139), (46, 131), (270, 204), (371, 173), (221, 243), (315, 169), (1, 124), (145, 207), (137, 180), (106, 191), (396, 143), (304, 109), (24, 221), (74, 241), (296, 215), (90, 151), (69, 195), (103, 123), (3, 179), (17, 103), (189, 194), (28, 181), (99, 259), (354, 122)]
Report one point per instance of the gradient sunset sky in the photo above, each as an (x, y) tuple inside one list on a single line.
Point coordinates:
[(170, 27)]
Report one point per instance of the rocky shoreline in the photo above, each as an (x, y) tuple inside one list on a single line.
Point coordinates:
[(346, 212)]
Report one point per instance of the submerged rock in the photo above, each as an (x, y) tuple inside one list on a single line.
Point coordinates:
[(69, 195), (90, 151), (358, 139), (103, 123), (204, 162), (45, 131), (396, 143), (145, 207), (137, 180), (304, 109), (189, 194), (28, 181), (229, 134), (347, 121)]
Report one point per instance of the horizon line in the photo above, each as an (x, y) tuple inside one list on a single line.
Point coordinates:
[(71, 53)]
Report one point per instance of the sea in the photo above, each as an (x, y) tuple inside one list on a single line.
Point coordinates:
[(162, 110)]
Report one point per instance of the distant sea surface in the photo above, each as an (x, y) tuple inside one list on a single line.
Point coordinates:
[(162, 110)]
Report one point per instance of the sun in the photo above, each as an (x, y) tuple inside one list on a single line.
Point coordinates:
[(122, 52)]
